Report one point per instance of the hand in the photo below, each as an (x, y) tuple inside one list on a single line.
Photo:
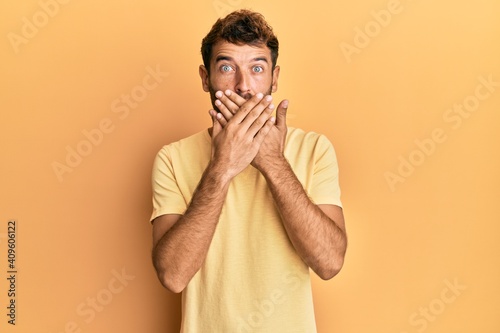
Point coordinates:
[(236, 142), (272, 148)]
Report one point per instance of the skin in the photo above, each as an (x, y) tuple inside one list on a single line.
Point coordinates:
[(244, 133)]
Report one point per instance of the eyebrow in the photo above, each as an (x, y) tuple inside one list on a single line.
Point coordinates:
[(221, 58), (227, 58), (260, 59)]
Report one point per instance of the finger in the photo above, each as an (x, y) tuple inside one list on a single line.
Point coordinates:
[(223, 109), (217, 127), (281, 114), (261, 117), (218, 116), (259, 138), (234, 99), (248, 107), (264, 105), (228, 102)]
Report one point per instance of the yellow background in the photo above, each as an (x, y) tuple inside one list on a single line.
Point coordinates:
[(408, 241)]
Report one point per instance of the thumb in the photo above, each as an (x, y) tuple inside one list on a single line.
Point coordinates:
[(281, 114)]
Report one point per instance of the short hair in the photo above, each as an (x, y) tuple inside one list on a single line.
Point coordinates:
[(240, 27)]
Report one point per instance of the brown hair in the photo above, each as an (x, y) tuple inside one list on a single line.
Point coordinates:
[(240, 27)]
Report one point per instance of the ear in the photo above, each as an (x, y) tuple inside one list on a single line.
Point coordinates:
[(276, 74), (204, 78)]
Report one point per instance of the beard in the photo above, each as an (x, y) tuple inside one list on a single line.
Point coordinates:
[(246, 96)]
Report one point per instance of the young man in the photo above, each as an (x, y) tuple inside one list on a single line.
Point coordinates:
[(244, 209)]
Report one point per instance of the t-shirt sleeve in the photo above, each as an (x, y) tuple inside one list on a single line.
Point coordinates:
[(167, 197), (325, 188)]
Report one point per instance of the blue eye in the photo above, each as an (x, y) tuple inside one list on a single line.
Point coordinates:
[(258, 69), (226, 68)]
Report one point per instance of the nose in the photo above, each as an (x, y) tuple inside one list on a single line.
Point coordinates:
[(242, 83)]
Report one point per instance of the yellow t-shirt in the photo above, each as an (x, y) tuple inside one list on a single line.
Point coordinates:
[(252, 279)]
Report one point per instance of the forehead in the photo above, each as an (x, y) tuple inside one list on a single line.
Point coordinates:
[(240, 53)]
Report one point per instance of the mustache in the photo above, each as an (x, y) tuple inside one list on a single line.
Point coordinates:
[(246, 96)]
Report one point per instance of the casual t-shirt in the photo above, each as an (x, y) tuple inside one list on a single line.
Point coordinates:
[(252, 279)]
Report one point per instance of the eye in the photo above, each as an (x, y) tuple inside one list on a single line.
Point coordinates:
[(258, 69), (226, 68)]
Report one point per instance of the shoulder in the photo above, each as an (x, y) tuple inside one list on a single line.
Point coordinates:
[(196, 142), (297, 137)]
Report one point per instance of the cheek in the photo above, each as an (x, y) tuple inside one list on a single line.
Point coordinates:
[(263, 83), (264, 80), (222, 82)]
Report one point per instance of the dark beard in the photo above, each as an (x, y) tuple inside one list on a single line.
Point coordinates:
[(245, 96)]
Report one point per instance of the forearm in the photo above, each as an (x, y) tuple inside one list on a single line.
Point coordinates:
[(318, 234), (320, 241), (181, 251), (183, 246)]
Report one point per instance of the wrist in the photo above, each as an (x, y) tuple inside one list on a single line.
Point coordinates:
[(218, 174), (274, 167)]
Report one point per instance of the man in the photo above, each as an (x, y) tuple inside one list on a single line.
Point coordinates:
[(244, 209)]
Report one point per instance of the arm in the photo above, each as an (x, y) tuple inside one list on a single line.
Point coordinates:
[(190, 234), (181, 242), (317, 232)]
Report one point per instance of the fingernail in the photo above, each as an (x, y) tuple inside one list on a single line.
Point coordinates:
[(285, 104), (269, 98), (260, 95), (218, 94), (228, 92), (273, 119), (271, 106), (217, 102)]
